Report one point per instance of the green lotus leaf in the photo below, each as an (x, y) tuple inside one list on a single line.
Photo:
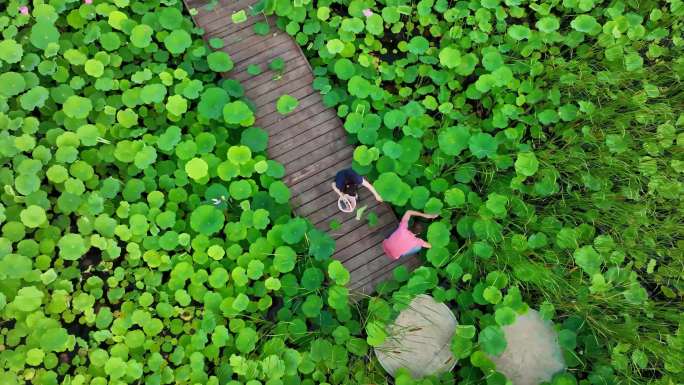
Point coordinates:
[(492, 340), (207, 220), (197, 168), (33, 216), (344, 68), (28, 299), (286, 104), (219, 61), (238, 113), (418, 45), (526, 164), (77, 107), (11, 51), (35, 98), (255, 139), (321, 245), (141, 35), (338, 273), (239, 154), (482, 145), (177, 41), (279, 191), (450, 57), (212, 101), (43, 33), (588, 259), (170, 18), (72, 247), (519, 32), (392, 189), (548, 24), (285, 259), (177, 105), (240, 189), (453, 140), (11, 84), (586, 24), (294, 230)]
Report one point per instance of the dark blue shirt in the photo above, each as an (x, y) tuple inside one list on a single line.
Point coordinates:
[(348, 181)]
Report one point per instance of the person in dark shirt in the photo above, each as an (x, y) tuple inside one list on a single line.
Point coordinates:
[(346, 185)]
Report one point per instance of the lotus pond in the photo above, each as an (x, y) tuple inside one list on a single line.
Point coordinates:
[(146, 238)]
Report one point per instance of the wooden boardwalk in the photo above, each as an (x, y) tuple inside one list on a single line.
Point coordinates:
[(310, 142)]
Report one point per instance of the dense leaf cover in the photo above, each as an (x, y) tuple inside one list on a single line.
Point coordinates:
[(146, 238), (549, 137)]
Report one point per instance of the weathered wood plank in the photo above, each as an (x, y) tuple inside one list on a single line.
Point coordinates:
[(289, 86), (310, 142), (342, 158), (326, 171), (271, 107), (260, 52), (295, 125), (269, 121), (366, 286), (267, 80), (240, 73), (300, 131), (295, 164)]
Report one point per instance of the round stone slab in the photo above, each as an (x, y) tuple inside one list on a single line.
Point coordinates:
[(532, 352), (420, 339)]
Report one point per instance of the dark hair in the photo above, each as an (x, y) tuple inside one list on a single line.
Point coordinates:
[(350, 188)]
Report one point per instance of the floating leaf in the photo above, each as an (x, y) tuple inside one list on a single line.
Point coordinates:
[(286, 104)]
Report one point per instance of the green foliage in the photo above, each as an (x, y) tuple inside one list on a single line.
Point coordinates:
[(145, 236), (547, 135), (286, 104)]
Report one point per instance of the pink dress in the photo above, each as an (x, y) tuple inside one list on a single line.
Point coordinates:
[(402, 242)]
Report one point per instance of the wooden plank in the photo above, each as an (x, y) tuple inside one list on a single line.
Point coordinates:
[(271, 107), (262, 57), (326, 172), (297, 72), (315, 130), (240, 73), (263, 44), (328, 213), (294, 177), (315, 141), (296, 164), (223, 10), (224, 26), (269, 120), (267, 77), (296, 124), (374, 262), (354, 233), (245, 52), (288, 85), (222, 18), (366, 286), (238, 40)]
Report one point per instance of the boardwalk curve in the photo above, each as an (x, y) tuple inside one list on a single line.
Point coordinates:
[(310, 142)]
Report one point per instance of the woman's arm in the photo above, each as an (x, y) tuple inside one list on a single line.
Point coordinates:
[(335, 189), (408, 214), (370, 187)]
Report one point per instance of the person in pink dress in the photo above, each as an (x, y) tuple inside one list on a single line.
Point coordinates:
[(403, 242)]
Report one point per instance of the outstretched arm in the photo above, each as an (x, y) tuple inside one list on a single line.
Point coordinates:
[(334, 187), (370, 187), (408, 214)]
